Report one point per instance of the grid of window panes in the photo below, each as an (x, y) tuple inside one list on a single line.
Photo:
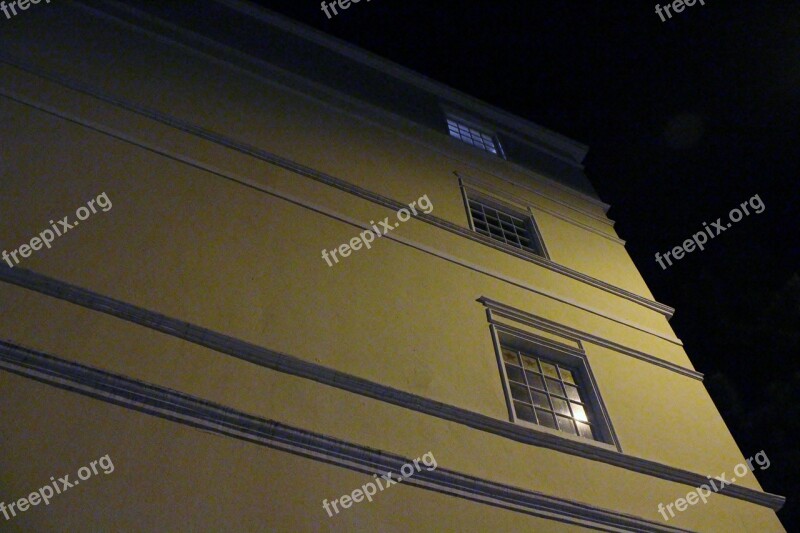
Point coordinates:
[(503, 226), (472, 136), (547, 394)]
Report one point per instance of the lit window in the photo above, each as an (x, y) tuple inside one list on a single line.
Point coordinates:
[(473, 136), (547, 393), (505, 225)]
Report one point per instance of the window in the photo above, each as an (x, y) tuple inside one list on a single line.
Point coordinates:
[(505, 225), (546, 378), (547, 393), (475, 137)]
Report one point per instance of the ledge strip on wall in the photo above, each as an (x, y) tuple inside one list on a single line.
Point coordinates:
[(289, 364), (335, 182), (189, 410)]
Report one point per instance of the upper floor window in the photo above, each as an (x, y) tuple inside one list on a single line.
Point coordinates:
[(474, 136), (504, 224)]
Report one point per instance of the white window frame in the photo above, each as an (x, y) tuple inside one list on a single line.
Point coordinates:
[(572, 358), (525, 214)]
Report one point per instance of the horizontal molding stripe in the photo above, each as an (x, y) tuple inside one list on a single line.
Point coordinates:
[(201, 414), (327, 211), (572, 151), (536, 321), (291, 365), (332, 181)]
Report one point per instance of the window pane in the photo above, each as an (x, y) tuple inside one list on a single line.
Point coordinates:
[(560, 406), (555, 387), (535, 380), (507, 226), (494, 229), (546, 418), (585, 430), (549, 370), (472, 136), (579, 413), (519, 392), (540, 400), (567, 425), (510, 357), (545, 393), (524, 412), (514, 373), (530, 363), (566, 375), (572, 393)]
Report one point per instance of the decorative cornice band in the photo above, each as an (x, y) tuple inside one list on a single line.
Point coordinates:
[(313, 90), (199, 413), (298, 367), (573, 333), (332, 181), (568, 149)]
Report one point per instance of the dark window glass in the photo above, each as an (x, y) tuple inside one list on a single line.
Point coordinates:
[(558, 402)]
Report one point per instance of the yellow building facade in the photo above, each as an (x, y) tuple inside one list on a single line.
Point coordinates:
[(257, 270)]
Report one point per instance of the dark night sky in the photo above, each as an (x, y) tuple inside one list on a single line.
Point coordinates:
[(685, 119)]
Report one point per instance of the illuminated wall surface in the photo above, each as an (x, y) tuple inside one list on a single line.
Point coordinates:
[(188, 327)]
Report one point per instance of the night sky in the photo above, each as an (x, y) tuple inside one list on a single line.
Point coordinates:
[(685, 119)]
